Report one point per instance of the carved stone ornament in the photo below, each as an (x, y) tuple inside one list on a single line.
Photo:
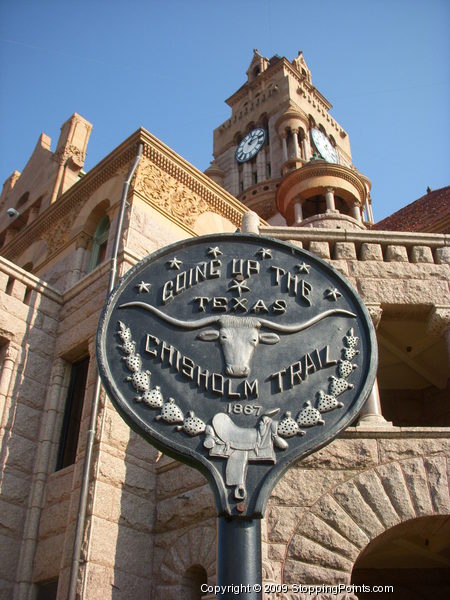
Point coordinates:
[(70, 151), (59, 234), (238, 355), (173, 196)]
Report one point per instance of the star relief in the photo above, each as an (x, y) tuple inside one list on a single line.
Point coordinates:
[(333, 294), (303, 267), (239, 286), (214, 251), (264, 253), (143, 287), (174, 263)]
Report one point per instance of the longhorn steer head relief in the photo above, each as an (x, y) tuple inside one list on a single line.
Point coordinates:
[(238, 336)]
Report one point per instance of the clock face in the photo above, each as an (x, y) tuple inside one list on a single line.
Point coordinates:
[(250, 145), (324, 146)]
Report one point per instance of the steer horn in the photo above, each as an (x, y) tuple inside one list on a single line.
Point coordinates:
[(185, 324), (295, 328), (300, 326)]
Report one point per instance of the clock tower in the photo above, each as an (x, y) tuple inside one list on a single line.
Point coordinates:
[(282, 153)]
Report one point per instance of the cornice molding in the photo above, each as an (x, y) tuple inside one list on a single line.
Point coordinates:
[(305, 87), (63, 212), (283, 63)]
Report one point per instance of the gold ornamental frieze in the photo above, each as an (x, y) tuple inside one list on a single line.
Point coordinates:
[(180, 194)]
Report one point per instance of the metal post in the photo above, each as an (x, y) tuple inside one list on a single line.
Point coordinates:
[(84, 486), (239, 559)]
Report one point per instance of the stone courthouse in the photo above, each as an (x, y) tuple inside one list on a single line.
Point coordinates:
[(371, 508)]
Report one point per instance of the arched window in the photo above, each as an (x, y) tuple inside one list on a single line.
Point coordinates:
[(192, 581), (23, 199), (99, 243)]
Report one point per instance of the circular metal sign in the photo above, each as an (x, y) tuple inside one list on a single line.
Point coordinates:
[(237, 354)]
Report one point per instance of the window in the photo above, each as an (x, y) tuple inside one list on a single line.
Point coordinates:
[(72, 414), (23, 199), (99, 244), (47, 591)]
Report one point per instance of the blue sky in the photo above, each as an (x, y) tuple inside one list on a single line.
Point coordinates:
[(169, 65)]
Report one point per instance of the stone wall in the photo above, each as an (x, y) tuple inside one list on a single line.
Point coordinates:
[(322, 513), (29, 313)]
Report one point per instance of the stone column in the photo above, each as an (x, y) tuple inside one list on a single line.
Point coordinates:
[(9, 360), (298, 212), (284, 146), (247, 175), (369, 210), (356, 213), (296, 146), (235, 179), (329, 198), (371, 415), (79, 256), (53, 407), (305, 149), (261, 165)]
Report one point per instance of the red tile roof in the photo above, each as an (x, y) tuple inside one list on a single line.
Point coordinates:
[(430, 213)]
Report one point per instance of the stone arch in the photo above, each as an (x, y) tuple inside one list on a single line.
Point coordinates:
[(196, 547), (413, 557), (86, 225), (34, 254), (90, 215), (335, 530), (237, 138), (23, 200)]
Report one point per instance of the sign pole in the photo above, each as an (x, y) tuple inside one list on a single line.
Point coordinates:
[(239, 559)]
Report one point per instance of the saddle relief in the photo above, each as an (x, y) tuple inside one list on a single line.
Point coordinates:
[(241, 445)]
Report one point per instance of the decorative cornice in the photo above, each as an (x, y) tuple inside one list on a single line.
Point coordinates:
[(306, 88), (182, 183), (267, 74), (53, 225)]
